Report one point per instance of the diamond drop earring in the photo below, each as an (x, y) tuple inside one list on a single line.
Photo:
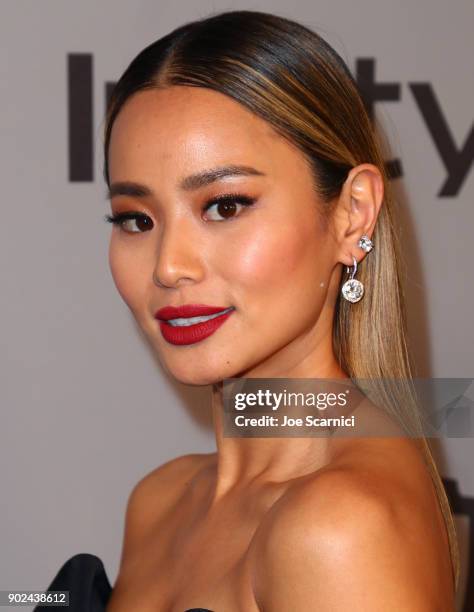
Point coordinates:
[(352, 290)]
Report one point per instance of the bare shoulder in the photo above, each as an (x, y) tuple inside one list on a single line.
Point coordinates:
[(167, 478), (361, 534), (155, 493)]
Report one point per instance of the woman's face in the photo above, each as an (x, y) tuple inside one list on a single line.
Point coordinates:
[(271, 261)]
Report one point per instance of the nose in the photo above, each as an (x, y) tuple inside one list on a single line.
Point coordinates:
[(178, 259)]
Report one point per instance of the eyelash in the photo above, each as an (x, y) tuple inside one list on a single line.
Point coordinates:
[(238, 198)]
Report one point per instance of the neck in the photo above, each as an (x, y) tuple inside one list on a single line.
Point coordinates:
[(244, 460)]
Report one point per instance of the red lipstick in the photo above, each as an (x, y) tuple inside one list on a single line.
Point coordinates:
[(188, 332)]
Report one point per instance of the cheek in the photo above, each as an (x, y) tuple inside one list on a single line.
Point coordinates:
[(268, 259), (279, 273), (128, 274)]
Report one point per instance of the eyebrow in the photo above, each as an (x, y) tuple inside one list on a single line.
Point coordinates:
[(189, 183)]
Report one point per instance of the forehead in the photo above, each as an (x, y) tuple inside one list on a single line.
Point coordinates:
[(184, 128)]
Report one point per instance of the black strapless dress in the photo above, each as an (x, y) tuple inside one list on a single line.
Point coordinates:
[(89, 588)]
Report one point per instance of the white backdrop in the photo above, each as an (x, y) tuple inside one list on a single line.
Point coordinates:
[(86, 409)]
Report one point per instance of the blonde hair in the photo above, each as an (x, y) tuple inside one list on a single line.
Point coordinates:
[(292, 78)]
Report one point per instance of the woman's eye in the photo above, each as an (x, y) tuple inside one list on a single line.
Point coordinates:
[(225, 207), (222, 208), (132, 223)]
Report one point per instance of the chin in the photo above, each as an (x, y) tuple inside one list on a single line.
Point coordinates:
[(191, 372), (188, 374), (195, 380)]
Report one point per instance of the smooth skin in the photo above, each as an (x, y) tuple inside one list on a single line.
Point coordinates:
[(263, 524)]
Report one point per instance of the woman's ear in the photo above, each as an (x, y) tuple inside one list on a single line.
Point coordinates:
[(357, 210)]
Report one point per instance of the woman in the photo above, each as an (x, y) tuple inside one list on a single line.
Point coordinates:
[(244, 175)]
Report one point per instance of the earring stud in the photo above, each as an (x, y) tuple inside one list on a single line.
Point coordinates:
[(365, 243)]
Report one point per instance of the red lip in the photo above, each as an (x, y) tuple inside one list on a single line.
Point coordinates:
[(186, 311), (190, 334)]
